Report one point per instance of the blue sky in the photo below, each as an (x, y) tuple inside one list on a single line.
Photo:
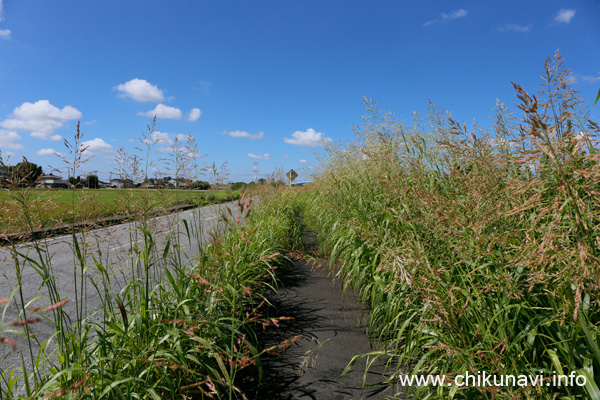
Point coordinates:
[(267, 81)]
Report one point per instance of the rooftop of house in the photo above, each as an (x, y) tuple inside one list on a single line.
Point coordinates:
[(50, 176)]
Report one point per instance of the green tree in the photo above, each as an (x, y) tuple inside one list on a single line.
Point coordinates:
[(28, 172), (92, 182), (76, 182), (201, 185), (237, 185)]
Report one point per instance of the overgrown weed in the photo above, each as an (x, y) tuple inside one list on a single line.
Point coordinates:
[(172, 322), (476, 250)]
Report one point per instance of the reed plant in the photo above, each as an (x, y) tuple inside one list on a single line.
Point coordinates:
[(172, 322), (475, 249)]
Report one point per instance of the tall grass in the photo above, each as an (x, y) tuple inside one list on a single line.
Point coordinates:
[(476, 250), (170, 325)]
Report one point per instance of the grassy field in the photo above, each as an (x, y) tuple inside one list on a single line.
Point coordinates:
[(50, 207)]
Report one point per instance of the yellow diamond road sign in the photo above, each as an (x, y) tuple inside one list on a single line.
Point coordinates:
[(292, 175)]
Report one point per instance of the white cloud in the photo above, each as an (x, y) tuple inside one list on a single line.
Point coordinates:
[(5, 34), (140, 90), (515, 28), (303, 161), (162, 111), (245, 134), (564, 16), (162, 138), (40, 118), (204, 85), (166, 141), (265, 156), (44, 136), (48, 152), (461, 12), (9, 139), (590, 79), (444, 17), (309, 138), (4, 154), (95, 146), (194, 114)]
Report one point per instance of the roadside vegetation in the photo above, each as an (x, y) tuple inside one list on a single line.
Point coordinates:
[(178, 327), (475, 250)]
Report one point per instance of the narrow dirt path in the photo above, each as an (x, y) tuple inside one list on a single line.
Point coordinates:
[(333, 329)]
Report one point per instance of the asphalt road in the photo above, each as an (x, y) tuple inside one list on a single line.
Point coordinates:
[(113, 247)]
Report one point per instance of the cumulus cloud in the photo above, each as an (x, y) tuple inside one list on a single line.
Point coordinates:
[(48, 152), (166, 141), (244, 134), (564, 16), (140, 90), (194, 114), (9, 139), (515, 28), (444, 17), (309, 138), (95, 146), (303, 161), (5, 34), (163, 111), (265, 156), (40, 118), (162, 137)]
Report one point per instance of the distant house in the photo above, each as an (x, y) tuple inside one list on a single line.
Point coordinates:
[(300, 183), (103, 185), (179, 183), (52, 181), (148, 185), (121, 183)]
